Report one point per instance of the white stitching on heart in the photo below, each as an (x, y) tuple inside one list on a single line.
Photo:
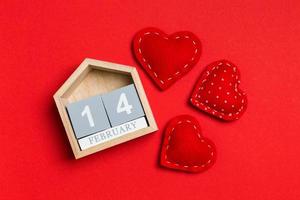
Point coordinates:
[(150, 67), (225, 101), (201, 140)]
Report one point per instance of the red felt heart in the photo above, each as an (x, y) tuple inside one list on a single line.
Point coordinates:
[(184, 147), (166, 58), (217, 92)]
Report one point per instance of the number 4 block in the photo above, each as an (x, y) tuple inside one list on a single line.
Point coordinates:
[(88, 116), (123, 105)]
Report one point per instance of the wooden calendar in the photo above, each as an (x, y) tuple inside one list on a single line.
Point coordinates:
[(103, 104)]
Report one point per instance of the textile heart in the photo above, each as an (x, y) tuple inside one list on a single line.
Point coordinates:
[(166, 58), (184, 148), (217, 92)]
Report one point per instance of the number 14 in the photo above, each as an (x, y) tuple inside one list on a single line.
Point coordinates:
[(123, 106)]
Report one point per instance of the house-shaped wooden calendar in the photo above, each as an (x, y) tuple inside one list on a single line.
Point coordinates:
[(103, 104)]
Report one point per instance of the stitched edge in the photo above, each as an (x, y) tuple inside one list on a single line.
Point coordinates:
[(177, 73), (199, 136), (213, 111)]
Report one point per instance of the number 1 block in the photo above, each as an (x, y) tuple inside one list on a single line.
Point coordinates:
[(88, 116), (123, 105)]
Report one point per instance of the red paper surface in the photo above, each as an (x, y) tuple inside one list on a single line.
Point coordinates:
[(42, 43)]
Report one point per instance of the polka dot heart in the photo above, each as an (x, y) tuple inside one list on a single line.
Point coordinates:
[(217, 91), (184, 148), (166, 58)]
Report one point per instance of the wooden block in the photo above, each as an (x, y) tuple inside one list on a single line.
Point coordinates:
[(88, 116), (94, 77), (112, 133), (123, 105)]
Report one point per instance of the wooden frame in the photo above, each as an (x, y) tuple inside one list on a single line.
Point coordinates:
[(95, 77)]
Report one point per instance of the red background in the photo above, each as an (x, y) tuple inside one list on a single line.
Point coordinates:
[(43, 42)]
